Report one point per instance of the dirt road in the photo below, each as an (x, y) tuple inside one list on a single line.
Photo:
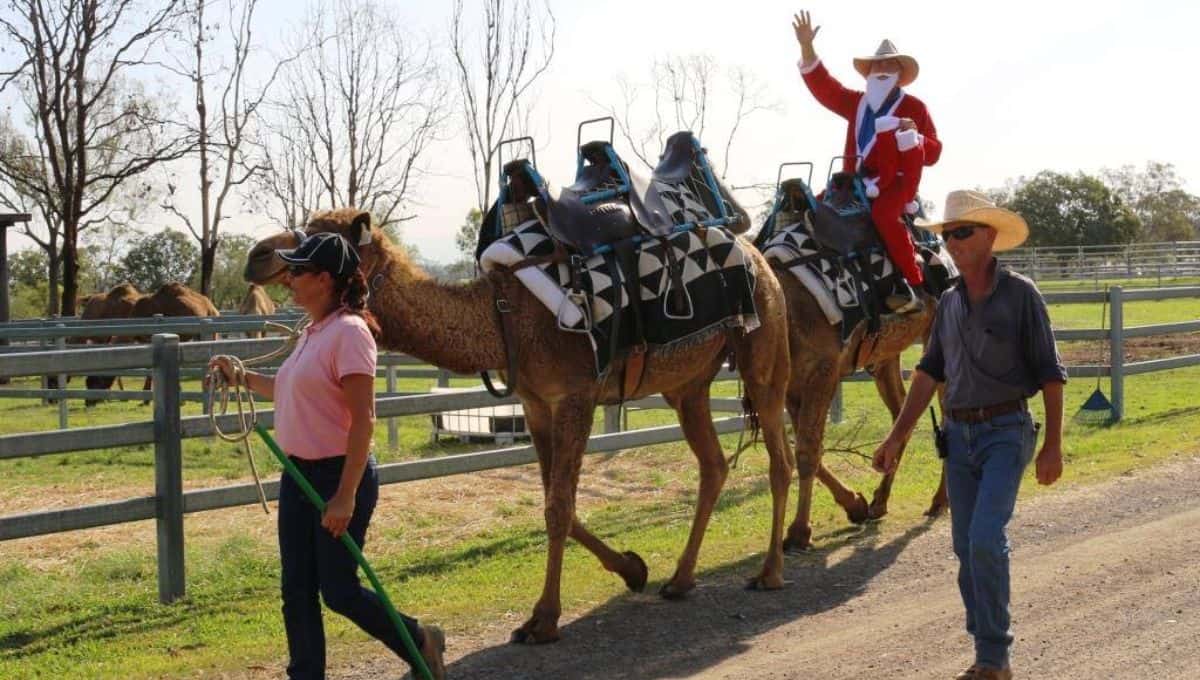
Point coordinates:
[(1106, 583)]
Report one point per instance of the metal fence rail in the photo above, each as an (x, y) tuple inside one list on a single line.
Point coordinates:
[(1173, 259), (169, 359)]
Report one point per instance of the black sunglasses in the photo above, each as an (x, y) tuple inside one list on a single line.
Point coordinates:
[(961, 233), (299, 269)]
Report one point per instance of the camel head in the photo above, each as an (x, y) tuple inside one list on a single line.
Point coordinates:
[(355, 225)]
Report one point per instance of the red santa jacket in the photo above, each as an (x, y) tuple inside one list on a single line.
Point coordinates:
[(851, 105)]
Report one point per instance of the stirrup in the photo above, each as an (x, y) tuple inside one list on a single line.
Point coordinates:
[(580, 301), (910, 305)]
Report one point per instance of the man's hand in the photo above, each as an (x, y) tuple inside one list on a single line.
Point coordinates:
[(338, 512), (802, 25), (907, 124), (887, 456), (1049, 464)]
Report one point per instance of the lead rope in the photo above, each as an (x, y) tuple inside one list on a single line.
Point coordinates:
[(219, 391)]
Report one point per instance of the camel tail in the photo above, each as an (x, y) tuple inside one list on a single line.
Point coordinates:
[(751, 416)]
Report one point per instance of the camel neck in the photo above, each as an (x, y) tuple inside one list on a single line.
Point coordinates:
[(452, 326)]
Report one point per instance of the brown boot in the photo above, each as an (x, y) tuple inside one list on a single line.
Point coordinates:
[(989, 673), (432, 650), (968, 674)]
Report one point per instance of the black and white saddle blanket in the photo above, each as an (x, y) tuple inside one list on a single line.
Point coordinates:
[(590, 295), (850, 289)]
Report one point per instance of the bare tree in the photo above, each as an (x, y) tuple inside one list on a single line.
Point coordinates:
[(26, 185), (495, 73), (364, 101), (74, 61), (688, 92), (222, 133)]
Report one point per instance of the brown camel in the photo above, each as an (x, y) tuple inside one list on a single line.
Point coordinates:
[(171, 299), (819, 362), (455, 326), (256, 302), (117, 303)]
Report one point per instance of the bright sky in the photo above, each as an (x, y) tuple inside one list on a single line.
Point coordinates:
[(1014, 87)]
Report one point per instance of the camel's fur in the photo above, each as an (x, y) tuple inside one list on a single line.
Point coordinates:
[(455, 326)]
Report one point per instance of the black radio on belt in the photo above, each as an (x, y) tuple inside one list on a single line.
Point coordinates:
[(939, 437)]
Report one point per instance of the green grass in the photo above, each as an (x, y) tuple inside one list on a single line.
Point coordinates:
[(468, 552), (92, 611)]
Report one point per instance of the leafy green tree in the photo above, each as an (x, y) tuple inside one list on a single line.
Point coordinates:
[(1157, 196), (160, 258), (1070, 210), (468, 234)]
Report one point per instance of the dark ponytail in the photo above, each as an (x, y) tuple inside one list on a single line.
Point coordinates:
[(351, 293)]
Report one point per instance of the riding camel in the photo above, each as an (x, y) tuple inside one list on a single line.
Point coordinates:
[(456, 326), (819, 362), (256, 302)]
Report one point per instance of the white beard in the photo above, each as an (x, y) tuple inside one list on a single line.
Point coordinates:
[(879, 88)]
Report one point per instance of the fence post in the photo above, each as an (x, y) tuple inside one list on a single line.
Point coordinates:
[(612, 419), (835, 408), (61, 344), (1116, 357), (168, 467), (393, 439), (207, 335), (443, 379)]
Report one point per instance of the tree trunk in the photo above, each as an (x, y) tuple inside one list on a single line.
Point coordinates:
[(208, 256), (70, 269), (54, 264)]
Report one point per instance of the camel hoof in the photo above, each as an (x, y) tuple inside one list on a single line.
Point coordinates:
[(859, 511), (528, 635), (935, 510), (673, 592), (637, 581), (797, 545), (877, 511), (764, 583)]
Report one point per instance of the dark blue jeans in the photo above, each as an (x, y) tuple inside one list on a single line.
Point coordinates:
[(983, 474), (314, 562)]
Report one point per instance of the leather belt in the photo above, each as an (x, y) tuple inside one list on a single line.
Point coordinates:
[(986, 413)]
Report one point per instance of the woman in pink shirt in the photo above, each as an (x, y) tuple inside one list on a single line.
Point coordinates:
[(324, 396)]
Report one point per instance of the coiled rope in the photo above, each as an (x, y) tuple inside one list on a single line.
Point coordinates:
[(220, 392)]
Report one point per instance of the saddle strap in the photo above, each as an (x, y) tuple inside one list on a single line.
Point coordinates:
[(503, 310)]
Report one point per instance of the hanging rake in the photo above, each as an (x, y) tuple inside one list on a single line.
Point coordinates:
[(1098, 409)]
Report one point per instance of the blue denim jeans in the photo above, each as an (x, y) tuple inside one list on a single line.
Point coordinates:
[(314, 562), (983, 474)]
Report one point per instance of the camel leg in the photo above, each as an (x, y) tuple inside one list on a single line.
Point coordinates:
[(628, 565), (571, 421), (890, 383), (765, 363), (695, 418), (809, 394), (767, 399)]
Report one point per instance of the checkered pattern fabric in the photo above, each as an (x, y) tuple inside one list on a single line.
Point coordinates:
[(717, 276), (847, 282)]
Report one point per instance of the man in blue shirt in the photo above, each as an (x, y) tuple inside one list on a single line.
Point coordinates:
[(993, 348)]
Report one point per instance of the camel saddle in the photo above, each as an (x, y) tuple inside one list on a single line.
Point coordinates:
[(610, 202)]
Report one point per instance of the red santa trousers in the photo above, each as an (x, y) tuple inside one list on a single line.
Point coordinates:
[(899, 175)]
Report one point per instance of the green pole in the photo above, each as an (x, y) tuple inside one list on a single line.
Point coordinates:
[(315, 498)]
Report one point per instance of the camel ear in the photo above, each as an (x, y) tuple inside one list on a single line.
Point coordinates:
[(360, 228)]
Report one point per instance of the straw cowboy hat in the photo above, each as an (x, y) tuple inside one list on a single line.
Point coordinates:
[(972, 207), (908, 65)]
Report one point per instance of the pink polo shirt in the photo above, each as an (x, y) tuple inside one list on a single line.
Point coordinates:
[(311, 415)]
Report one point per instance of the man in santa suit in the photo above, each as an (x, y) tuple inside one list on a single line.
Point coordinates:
[(890, 137)]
